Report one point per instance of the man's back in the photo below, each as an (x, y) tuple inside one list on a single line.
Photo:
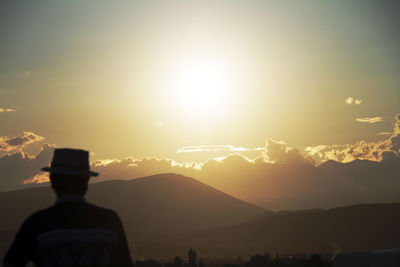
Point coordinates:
[(71, 233)]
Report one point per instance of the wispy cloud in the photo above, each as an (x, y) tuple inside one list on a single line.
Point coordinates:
[(6, 110), (352, 100), (349, 100), (384, 133), (370, 120), (187, 149)]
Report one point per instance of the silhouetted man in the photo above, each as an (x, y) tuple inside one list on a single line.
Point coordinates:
[(72, 232)]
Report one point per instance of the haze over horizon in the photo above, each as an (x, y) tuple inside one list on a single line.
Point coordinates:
[(222, 91)]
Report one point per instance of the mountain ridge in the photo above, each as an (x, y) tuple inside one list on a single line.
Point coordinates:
[(158, 203)]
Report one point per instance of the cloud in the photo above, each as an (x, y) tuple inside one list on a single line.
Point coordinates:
[(279, 152), (6, 110), (8, 144), (109, 169), (349, 100), (300, 186), (362, 150), (282, 177), (39, 178), (279, 185), (352, 100), (384, 133), (129, 168), (275, 150), (324, 153), (396, 125), (370, 120), (395, 138), (188, 149), (290, 182), (18, 166)]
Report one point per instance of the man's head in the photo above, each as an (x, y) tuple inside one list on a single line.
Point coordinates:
[(64, 184), (69, 171)]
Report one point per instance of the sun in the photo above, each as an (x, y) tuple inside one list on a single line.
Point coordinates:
[(202, 86)]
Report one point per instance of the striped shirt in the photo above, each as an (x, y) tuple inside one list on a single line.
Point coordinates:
[(71, 233)]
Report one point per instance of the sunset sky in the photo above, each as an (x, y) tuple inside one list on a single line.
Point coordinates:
[(194, 80)]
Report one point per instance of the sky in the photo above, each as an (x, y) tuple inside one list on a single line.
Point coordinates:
[(190, 81)]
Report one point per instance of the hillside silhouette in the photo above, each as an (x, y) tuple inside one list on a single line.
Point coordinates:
[(158, 204), (344, 229), (170, 203), (166, 214)]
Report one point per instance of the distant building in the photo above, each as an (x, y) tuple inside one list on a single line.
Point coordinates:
[(192, 257), (377, 258), (178, 262), (300, 256)]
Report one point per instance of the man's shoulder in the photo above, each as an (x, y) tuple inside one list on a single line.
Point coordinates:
[(40, 213), (89, 207)]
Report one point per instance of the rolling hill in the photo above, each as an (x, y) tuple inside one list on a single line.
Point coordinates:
[(159, 204), (170, 203), (344, 229)]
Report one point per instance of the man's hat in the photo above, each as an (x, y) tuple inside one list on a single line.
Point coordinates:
[(70, 161)]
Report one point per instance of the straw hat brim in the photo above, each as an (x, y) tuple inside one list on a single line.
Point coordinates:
[(69, 171)]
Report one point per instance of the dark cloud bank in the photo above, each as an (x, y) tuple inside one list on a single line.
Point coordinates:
[(282, 178)]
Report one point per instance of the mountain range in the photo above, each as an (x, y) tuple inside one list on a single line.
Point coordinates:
[(354, 228), (165, 215)]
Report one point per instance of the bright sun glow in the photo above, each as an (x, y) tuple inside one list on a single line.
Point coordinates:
[(202, 86)]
